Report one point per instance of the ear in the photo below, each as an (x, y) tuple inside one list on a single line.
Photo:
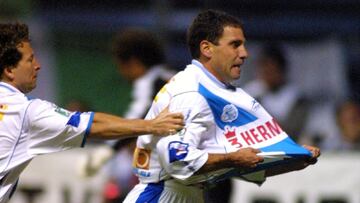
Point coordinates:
[(206, 48), (8, 73)]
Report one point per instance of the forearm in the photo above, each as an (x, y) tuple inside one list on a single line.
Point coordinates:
[(242, 159), (106, 126), (215, 162)]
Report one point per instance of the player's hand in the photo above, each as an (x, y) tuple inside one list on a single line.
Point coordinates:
[(246, 158), (315, 153), (167, 123), (305, 163)]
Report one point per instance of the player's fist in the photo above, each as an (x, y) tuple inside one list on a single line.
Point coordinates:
[(315, 153)]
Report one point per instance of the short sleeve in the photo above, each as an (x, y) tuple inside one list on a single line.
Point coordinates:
[(179, 154), (52, 129)]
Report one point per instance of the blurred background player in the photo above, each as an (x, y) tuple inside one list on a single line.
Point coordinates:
[(348, 122), (140, 59)]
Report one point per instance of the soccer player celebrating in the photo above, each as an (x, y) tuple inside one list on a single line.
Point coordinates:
[(227, 133)]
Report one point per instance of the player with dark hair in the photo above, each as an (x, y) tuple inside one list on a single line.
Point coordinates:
[(31, 127), (227, 133)]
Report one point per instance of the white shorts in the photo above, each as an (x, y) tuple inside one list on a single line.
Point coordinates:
[(168, 191)]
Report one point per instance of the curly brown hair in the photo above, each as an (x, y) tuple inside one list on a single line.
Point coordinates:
[(11, 36)]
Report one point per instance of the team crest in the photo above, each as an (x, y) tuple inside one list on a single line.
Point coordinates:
[(177, 151), (230, 113)]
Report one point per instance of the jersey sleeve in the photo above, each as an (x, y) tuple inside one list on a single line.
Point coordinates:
[(179, 154), (53, 129)]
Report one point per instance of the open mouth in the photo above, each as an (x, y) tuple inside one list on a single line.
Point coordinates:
[(236, 66)]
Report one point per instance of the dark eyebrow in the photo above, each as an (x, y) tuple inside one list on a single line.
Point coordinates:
[(236, 42)]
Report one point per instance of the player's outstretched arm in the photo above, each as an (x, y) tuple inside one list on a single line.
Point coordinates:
[(294, 166), (108, 126)]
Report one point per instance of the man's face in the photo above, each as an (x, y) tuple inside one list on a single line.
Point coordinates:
[(25, 72), (228, 55)]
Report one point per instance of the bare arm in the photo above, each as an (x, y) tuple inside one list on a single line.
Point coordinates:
[(243, 158), (108, 126), (294, 166)]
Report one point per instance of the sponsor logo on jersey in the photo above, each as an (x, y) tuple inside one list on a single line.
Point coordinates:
[(142, 158), (177, 151), (230, 113), (142, 173), (254, 135), (230, 134), (62, 111)]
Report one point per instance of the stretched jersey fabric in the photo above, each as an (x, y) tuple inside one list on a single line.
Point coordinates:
[(219, 118), (31, 127)]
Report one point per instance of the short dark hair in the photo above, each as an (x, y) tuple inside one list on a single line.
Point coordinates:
[(209, 25), (138, 43), (11, 36)]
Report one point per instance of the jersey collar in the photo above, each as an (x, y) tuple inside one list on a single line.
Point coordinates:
[(8, 87)]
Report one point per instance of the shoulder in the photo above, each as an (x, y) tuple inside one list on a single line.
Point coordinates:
[(184, 81), (38, 107)]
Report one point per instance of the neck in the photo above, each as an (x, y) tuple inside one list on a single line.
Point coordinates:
[(206, 63)]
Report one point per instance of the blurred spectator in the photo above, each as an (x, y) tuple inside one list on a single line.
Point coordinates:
[(346, 132), (140, 60), (276, 93), (348, 121)]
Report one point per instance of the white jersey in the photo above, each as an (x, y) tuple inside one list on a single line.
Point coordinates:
[(218, 119), (31, 127)]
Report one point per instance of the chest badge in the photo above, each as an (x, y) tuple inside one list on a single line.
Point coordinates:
[(230, 113)]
